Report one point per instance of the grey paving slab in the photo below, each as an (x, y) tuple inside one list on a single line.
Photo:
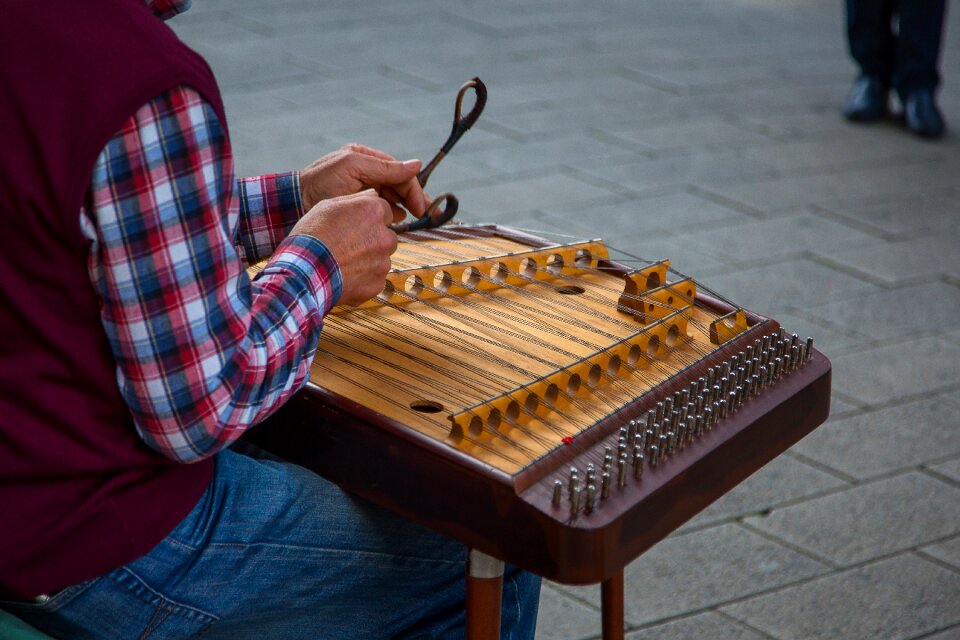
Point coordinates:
[(949, 468), (700, 80), (264, 62), (840, 408), (705, 568), (889, 439), (433, 105), (506, 197), (888, 373), (564, 618), (561, 113), (515, 156), (883, 315), (705, 625), (365, 88), (849, 147), (904, 261), (787, 285), (781, 100), (689, 133), (869, 520), (852, 185), (953, 336), (833, 340), (947, 551), (212, 27), (781, 481), (760, 239), (908, 217), (896, 598), (820, 123), (256, 156), (949, 634), (683, 256), (674, 213), (240, 105), (704, 168)]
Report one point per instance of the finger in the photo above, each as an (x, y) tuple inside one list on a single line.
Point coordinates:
[(413, 197), (368, 151), (391, 196), (387, 209), (398, 213), (375, 172), (400, 176)]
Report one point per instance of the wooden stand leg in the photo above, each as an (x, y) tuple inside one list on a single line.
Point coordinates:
[(611, 599), (484, 594)]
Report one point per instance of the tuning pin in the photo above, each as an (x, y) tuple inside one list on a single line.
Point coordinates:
[(557, 492), (591, 497)]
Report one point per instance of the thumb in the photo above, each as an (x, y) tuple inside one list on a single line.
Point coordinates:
[(375, 171)]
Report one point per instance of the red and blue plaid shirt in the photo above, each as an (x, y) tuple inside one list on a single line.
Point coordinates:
[(202, 352)]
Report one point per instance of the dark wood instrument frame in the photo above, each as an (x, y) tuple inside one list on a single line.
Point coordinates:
[(512, 517)]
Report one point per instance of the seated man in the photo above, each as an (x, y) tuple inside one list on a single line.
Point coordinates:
[(136, 351)]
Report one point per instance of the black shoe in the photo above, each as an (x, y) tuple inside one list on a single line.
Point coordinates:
[(867, 101), (922, 115)]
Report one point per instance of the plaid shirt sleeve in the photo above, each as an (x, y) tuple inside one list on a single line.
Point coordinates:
[(202, 352), (269, 207)]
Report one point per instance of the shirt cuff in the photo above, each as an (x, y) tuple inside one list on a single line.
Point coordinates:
[(312, 261), (269, 207)]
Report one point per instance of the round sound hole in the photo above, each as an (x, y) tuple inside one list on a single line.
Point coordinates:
[(571, 290), (426, 406)]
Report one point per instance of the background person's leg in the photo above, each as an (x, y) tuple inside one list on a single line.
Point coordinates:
[(870, 37), (918, 45)]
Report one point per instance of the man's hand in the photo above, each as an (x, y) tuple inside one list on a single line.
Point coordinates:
[(354, 228), (355, 168)]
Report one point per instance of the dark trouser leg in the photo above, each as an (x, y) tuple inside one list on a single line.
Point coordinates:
[(918, 45), (870, 36)]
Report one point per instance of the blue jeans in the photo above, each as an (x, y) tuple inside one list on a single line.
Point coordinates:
[(274, 552)]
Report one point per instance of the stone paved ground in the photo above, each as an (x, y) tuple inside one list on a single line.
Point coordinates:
[(707, 132)]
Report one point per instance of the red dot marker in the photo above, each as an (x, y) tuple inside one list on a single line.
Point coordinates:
[(568, 440)]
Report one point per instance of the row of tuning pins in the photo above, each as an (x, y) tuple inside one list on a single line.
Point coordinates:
[(678, 420)]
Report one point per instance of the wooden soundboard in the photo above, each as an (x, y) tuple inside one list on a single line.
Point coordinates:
[(543, 404)]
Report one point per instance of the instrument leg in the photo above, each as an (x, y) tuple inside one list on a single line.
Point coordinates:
[(484, 594), (611, 599)]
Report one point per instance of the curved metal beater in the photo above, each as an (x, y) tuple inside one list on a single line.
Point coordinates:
[(460, 125)]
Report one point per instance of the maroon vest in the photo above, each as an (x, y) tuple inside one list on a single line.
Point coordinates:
[(80, 494)]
